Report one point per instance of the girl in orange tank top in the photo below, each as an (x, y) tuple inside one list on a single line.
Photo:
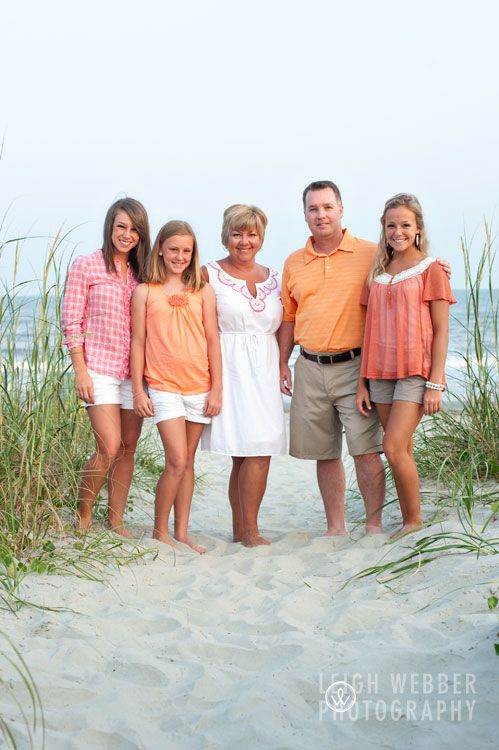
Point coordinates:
[(405, 343), (176, 349)]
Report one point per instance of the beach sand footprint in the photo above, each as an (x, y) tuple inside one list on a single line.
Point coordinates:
[(136, 673)]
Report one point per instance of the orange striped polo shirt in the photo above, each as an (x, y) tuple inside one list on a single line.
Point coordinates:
[(321, 293)]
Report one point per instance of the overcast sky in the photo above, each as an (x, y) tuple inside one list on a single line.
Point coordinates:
[(192, 106)]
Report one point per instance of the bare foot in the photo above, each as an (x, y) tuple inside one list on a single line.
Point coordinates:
[(164, 537), (340, 531), (237, 533), (253, 540), (192, 544), (83, 523), (407, 528), (374, 528), (120, 530)]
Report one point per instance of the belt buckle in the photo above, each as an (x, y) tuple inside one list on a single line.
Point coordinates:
[(325, 359)]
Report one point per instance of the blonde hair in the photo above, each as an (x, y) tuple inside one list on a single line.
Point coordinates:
[(156, 272), (240, 216), (385, 251), (139, 255)]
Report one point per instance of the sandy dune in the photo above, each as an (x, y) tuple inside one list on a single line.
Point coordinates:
[(236, 648)]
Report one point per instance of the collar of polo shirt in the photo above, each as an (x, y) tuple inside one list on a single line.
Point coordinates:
[(346, 244)]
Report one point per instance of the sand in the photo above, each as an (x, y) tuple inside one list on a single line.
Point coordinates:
[(236, 648)]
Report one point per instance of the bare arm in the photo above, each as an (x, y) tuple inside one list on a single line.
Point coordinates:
[(141, 402), (73, 312), (439, 310), (286, 341), (83, 382), (362, 399), (214, 401)]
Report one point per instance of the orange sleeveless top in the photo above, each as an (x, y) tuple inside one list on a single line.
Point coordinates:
[(176, 353)]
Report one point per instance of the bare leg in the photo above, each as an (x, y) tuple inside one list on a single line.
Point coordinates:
[(399, 421), (174, 439), (121, 472), (252, 482), (235, 504), (106, 426), (183, 498), (331, 479), (371, 480)]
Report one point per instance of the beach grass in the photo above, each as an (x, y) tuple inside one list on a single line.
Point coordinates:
[(459, 448), (26, 709), (45, 437)]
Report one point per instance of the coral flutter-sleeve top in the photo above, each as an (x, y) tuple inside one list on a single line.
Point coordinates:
[(176, 352), (399, 334)]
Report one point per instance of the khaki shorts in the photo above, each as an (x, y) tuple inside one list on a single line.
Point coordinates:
[(405, 389), (323, 405)]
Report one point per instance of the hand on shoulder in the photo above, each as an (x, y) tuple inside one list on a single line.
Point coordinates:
[(445, 265)]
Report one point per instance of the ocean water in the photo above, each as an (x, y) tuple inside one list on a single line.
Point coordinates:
[(26, 310), (458, 337)]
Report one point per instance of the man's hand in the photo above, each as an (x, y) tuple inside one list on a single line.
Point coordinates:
[(286, 341), (285, 380), (445, 265)]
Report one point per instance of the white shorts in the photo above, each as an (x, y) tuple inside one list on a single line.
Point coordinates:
[(172, 405), (109, 389)]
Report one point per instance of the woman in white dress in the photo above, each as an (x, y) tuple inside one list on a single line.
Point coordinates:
[(250, 427)]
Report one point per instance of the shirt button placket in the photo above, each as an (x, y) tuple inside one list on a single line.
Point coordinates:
[(327, 266), (126, 333)]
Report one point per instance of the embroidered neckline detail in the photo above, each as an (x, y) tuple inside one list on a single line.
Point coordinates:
[(263, 288), (386, 278)]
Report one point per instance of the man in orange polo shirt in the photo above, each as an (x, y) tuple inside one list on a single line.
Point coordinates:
[(321, 286)]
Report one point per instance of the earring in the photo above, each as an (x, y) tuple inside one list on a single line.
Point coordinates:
[(160, 254), (417, 239)]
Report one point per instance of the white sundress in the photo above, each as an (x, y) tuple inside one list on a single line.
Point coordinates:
[(251, 422)]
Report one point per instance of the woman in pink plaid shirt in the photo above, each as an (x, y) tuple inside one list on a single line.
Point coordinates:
[(96, 328)]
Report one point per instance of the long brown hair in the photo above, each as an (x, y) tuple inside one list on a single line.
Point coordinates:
[(138, 216), (156, 271)]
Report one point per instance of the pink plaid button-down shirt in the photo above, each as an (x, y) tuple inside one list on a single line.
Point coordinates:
[(96, 315)]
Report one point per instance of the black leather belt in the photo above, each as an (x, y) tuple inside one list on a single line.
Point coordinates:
[(331, 359)]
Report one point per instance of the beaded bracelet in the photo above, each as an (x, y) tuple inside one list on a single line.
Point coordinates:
[(434, 386)]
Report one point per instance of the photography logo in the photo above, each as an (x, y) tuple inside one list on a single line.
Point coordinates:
[(340, 697)]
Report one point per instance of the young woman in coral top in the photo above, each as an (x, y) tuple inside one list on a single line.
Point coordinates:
[(176, 349), (407, 295)]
